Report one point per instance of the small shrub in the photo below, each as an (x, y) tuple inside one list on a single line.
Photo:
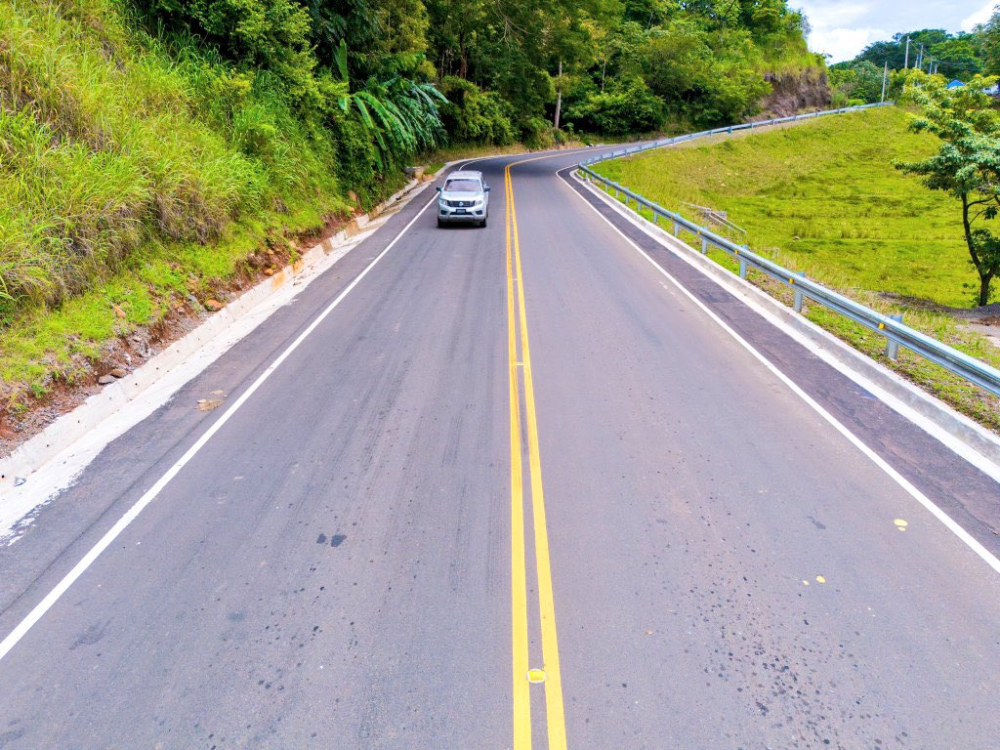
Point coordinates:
[(475, 116), (628, 107), (538, 134)]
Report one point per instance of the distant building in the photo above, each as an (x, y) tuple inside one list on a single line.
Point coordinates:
[(993, 90)]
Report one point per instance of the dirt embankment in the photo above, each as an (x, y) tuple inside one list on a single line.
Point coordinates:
[(22, 415), (795, 92)]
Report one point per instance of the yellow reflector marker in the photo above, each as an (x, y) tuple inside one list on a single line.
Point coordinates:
[(536, 676), (820, 579), (901, 524)]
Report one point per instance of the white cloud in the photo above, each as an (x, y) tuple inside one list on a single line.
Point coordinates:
[(842, 28), (980, 16), (844, 43), (837, 15)]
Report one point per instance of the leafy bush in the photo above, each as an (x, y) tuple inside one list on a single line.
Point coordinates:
[(538, 133), (475, 116), (860, 81), (110, 140), (705, 78), (628, 106), (270, 34)]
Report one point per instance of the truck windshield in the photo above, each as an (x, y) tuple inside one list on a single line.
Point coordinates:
[(462, 186)]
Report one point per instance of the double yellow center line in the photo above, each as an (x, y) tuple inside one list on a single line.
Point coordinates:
[(518, 329)]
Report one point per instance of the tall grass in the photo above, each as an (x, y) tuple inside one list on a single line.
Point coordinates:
[(110, 139), (825, 196), (135, 171)]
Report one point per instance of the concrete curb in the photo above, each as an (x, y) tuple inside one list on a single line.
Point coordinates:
[(70, 440), (960, 434)]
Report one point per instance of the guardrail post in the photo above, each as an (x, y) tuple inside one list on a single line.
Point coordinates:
[(892, 347), (704, 245), (656, 218), (677, 229), (797, 302)]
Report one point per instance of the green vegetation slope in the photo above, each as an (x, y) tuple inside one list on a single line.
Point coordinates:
[(826, 198), (150, 148), (823, 198)]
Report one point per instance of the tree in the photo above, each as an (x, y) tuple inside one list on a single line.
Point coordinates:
[(956, 56), (268, 34), (861, 80), (704, 77), (967, 166), (628, 106), (402, 115), (989, 44), (959, 57), (385, 36)]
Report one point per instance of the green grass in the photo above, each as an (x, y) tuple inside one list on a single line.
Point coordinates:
[(823, 198), (133, 172)]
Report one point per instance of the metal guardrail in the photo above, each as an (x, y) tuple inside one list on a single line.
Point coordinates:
[(727, 129), (896, 333)]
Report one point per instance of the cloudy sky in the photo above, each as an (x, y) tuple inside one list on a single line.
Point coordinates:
[(842, 28)]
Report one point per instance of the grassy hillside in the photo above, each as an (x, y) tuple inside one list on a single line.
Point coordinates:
[(824, 198), (132, 177), (110, 143)]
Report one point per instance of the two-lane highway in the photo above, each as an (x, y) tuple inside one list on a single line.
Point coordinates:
[(524, 486)]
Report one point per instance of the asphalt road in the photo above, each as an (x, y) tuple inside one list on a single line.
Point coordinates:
[(508, 449)]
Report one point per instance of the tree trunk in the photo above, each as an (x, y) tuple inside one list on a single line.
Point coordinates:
[(558, 99), (985, 274), (984, 288), (463, 58)]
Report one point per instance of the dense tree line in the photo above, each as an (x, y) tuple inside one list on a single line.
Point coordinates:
[(407, 74), (158, 145)]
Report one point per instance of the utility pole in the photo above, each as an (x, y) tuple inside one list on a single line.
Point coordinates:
[(906, 60), (885, 76), (920, 58)]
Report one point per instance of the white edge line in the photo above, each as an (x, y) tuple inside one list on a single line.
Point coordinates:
[(828, 349), (920, 497), (109, 537)]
